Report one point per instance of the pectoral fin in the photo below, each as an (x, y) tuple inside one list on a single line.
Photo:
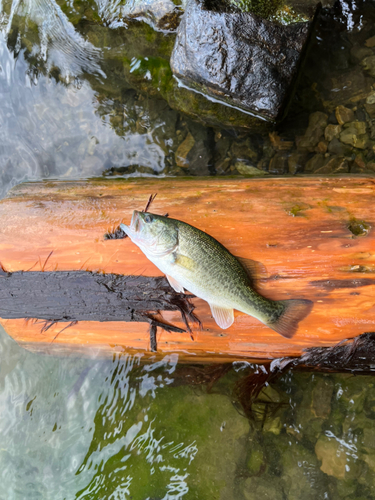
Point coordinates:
[(175, 284), (223, 317)]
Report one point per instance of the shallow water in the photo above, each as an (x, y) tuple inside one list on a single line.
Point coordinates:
[(86, 94), (120, 428)]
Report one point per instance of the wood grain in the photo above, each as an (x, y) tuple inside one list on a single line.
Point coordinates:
[(301, 229)]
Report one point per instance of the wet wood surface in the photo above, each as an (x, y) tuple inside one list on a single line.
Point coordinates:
[(314, 235)]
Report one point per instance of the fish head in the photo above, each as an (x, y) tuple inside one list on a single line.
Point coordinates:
[(155, 235)]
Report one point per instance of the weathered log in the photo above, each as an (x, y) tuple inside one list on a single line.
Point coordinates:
[(72, 296), (313, 235)]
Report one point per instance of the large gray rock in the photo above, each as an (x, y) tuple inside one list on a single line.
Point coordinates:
[(239, 58)]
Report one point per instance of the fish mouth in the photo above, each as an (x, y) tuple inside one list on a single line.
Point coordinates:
[(136, 222), (135, 225)]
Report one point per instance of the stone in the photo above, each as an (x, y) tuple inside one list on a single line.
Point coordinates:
[(278, 143), (370, 99), (278, 164), (297, 461), (322, 147), (370, 42), (259, 488), (293, 11), (370, 108), (222, 159), (355, 135), (347, 87), (332, 132), (314, 164), (335, 460), (314, 132), (239, 58), (244, 150), (369, 437), (334, 166), (194, 152), (359, 165), (248, 170), (368, 64), (183, 149), (359, 53), (273, 425), (296, 162), (332, 456), (344, 115), (336, 147), (255, 458)]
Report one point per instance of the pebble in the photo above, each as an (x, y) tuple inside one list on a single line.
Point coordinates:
[(370, 42), (332, 132), (245, 169), (314, 164), (314, 132), (334, 166), (344, 115), (355, 135), (183, 150), (368, 64)]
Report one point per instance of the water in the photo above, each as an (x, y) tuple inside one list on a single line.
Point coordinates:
[(77, 428), (84, 92)]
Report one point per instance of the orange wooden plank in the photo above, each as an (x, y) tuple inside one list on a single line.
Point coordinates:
[(298, 228)]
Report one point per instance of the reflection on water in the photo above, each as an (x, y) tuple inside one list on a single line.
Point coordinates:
[(121, 429), (54, 130)]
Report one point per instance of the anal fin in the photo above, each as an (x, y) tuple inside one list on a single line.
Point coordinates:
[(175, 284), (223, 317)]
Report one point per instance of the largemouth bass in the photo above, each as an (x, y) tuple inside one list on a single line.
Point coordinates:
[(193, 260)]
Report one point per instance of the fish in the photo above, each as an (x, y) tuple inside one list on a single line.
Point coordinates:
[(193, 260)]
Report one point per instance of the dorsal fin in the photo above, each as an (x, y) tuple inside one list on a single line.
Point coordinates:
[(255, 269)]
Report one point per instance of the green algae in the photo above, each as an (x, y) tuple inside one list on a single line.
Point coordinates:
[(273, 10), (358, 227)]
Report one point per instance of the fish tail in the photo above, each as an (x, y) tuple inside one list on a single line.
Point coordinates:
[(292, 312)]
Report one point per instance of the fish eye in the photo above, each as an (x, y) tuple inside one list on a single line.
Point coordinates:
[(148, 218)]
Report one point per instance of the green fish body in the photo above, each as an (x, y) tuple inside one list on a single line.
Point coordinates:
[(192, 260)]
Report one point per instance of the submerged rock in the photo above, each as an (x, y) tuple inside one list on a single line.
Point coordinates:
[(160, 14), (332, 132), (238, 58), (344, 115), (355, 135), (369, 65), (314, 132), (245, 169)]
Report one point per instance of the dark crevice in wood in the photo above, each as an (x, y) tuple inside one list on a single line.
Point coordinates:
[(348, 283)]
